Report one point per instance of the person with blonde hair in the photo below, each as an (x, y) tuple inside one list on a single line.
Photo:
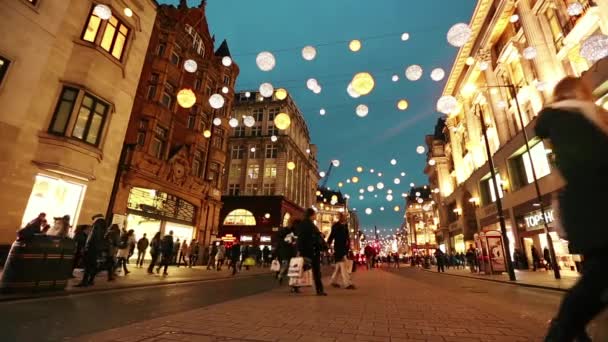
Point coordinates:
[(578, 131)]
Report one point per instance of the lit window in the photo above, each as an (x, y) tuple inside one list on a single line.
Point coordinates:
[(270, 171), (540, 160), (114, 34), (235, 171), (234, 189), (240, 217), (253, 171)]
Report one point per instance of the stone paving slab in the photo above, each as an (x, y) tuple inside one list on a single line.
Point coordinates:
[(385, 307)]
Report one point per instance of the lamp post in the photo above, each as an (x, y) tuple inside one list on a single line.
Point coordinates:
[(501, 216), (513, 91)]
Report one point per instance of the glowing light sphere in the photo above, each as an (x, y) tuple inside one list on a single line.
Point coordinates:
[(363, 83), (249, 121), (280, 94), (317, 89), (368, 211), (207, 133), (379, 174), (361, 191), (340, 184), (282, 121), (389, 197), (470, 61), (322, 111), (514, 18), (186, 98), (412, 185), (389, 191), (396, 208), (362, 110), (348, 181), (405, 36), (190, 65), (216, 101), (395, 78), (308, 151), (361, 197), (447, 104), (274, 138), (225, 90), (252, 149), (247, 94), (402, 174), (459, 34), (397, 181), (217, 121), (432, 162), (393, 161), (334, 199), (265, 61), (420, 149), (402, 104), (267, 215), (575, 8), (417, 194), (312, 83), (128, 12), (335, 162), (381, 208), (266, 89), (351, 92), (437, 74), (104, 12), (595, 48), (359, 169), (355, 179), (370, 188), (226, 61), (483, 65), (529, 53), (413, 72), (420, 200), (291, 165), (322, 174), (380, 186), (233, 122), (371, 171), (354, 45), (309, 53)]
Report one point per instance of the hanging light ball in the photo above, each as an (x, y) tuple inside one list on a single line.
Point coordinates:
[(355, 179), (470, 61), (354, 45), (266, 89), (309, 53), (412, 185), (317, 89), (459, 34), (595, 48), (190, 65), (252, 150), (351, 91), (389, 191), (362, 110), (396, 208), (361, 197), (233, 122), (483, 65), (368, 211), (359, 169), (420, 149), (393, 161), (265, 61), (216, 101), (186, 98), (207, 133), (575, 8), (397, 181), (395, 78), (247, 94), (291, 165), (381, 208), (389, 197), (379, 174), (249, 121), (432, 162), (402, 104), (312, 83), (128, 12), (361, 191), (514, 18), (280, 94), (447, 104), (370, 188), (363, 83), (420, 200), (335, 163), (322, 111), (405, 36), (282, 121), (529, 53), (217, 121), (225, 90), (371, 171), (380, 186), (437, 74), (274, 138), (413, 72), (226, 61), (104, 12), (402, 174), (322, 174), (340, 184)]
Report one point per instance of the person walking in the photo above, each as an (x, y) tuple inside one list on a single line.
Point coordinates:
[(244, 256), (112, 240), (535, 258), (176, 249), (124, 248), (266, 257), (184, 254), (220, 256), (310, 246), (166, 249), (340, 238), (471, 257), (155, 251), (286, 249), (547, 258), (80, 240), (369, 256), (440, 256), (235, 254), (142, 246), (212, 253), (194, 250), (94, 246), (578, 132)]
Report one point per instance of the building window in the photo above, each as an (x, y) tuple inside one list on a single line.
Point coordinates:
[(159, 142), (237, 152), (227, 80), (258, 115), (214, 173), (167, 98), (175, 58), (191, 121), (268, 189), (208, 90), (160, 51), (114, 34), (555, 27), (256, 131), (218, 138), (271, 151), (197, 84), (521, 169), (64, 109), (272, 113), (270, 171), (4, 63), (151, 92), (234, 189), (251, 189), (141, 132), (254, 152), (239, 217), (197, 162), (235, 171), (239, 131), (488, 194), (253, 171), (33, 2)]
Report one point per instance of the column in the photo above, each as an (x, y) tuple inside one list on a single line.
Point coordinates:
[(475, 135), (499, 115), (455, 139)]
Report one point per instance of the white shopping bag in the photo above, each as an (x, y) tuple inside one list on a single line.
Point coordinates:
[(302, 281), (296, 267), (275, 266)]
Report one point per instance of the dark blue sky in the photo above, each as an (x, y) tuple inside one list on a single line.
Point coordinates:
[(285, 26)]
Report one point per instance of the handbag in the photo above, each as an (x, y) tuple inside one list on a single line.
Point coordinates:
[(275, 266), (249, 262), (296, 267), (304, 280)]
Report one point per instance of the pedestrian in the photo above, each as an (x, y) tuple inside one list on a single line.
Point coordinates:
[(112, 243), (266, 256), (471, 257), (60, 228), (340, 238), (547, 258), (310, 246), (155, 251), (184, 253), (142, 246), (244, 256), (440, 256), (176, 249), (535, 258), (235, 254), (369, 256), (32, 228), (286, 249), (132, 244), (578, 132), (166, 249), (80, 240), (211, 256), (194, 250), (124, 248), (93, 248), (220, 256)]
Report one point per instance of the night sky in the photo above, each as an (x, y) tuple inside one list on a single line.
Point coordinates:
[(284, 27)]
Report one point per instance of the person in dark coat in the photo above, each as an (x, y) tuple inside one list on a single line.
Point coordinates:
[(235, 254), (166, 248), (310, 246), (194, 251), (286, 249), (440, 256), (212, 253), (535, 258), (112, 240), (547, 258), (80, 240), (341, 240), (578, 132), (155, 251), (266, 256), (93, 248), (33, 227), (176, 248), (142, 246)]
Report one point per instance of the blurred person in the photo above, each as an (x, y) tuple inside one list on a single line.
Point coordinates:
[(341, 240), (194, 251), (310, 245), (220, 256), (184, 254), (235, 254), (155, 252), (80, 240), (124, 248), (142, 246), (93, 248), (166, 248), (176, 249), (211, 256)]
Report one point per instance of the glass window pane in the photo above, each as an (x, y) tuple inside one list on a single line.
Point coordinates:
[(108, 36), (119, 46), (87, 101), (81, 122), (92, 28), (61, 117), (94, 130), (540, 160)]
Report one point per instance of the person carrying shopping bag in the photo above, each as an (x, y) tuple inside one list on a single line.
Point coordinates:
[(341, 240)]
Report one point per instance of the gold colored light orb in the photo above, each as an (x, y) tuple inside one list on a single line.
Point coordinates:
[(207, 133), (363, 83), (282, 121), (355, 180), (186, 98), (280, 94), (354, 45), (402, 104), (291, 165)]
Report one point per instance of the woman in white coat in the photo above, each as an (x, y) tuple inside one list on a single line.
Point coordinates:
[(126, 240)]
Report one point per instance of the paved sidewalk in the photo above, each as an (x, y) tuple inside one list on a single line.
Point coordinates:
[(539, 279), (385, 307)]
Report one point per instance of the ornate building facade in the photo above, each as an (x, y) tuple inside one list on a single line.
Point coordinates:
[(174, 157), (422, 221), (67, 85), (518, 51)]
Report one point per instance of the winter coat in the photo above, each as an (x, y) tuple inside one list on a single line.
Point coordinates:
[(142, 244), (155, 247), (221, 253), (123, 251), (96, 242), (166, 246), (235, 252), (340, 237), (286, 244), (309, 239), (579, 138), (112, 240)]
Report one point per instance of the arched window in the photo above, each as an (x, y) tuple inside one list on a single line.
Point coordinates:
[(239, 217), (286, 219)]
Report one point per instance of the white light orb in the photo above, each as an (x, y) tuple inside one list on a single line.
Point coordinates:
[(354, 45), (361, 191), (514, 18), (207, 133), (595, 48), (361, 197), (459, 34), (420, 200), (413, 72), (104, 12), (274, 138), (397, 181), (291, 166), (470, 61), (395, 78), (379, 174), (371, 171), (412, 185), (362, 110), (502, 104), (225, 90), (317, 89), (381, 208), (363, 83), (335, 162), (351, 91), (389, 191), (190, 65), (309, 53), (402, 174), (265, 61), (233, 122), (249, 121), (417, 194), (308, 151), (483, 65), (420, 149), (322, 111), (432, 162), (447, 104), (370, 188), (389, 197), (405, 36), (226, 61), (312, 83), (402, 104), (380, 186), (437, 74), (128, 12), (266, 89), (368, 211), (529, 53), (575, 8), (247, 94), (348, 181), (252, 149), (217, 121), (216, 101), (322, 174)]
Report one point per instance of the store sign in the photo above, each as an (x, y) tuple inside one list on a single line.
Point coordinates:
[(246, 238), (265, 239), (535, 220)]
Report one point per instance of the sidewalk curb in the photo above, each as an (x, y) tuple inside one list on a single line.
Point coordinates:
[(501, 281), (66, 293)]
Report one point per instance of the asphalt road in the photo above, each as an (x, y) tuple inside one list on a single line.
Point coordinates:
[(54, 319)]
